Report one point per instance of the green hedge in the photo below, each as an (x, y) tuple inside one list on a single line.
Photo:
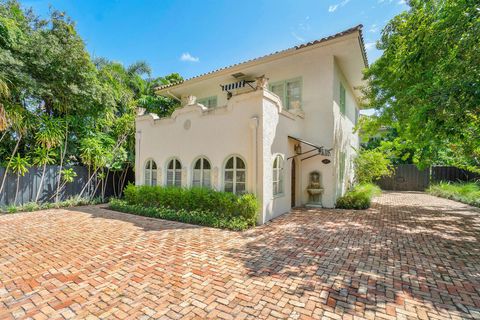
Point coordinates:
[(468, 193), (213, 208), (202, 218), (359, 198)]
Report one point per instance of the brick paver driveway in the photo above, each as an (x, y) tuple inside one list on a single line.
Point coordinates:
[(411, 256)]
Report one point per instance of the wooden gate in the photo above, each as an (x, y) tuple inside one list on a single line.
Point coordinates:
[(406, 177)]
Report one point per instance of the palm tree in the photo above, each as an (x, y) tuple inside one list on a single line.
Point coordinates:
[(20, 121), (4, 92), (41, 157), (49, 135), (20, 166)]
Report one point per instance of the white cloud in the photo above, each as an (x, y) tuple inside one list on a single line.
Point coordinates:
[(188, 57), (373, 28), (334, 7), (370, 45), (402, 2), (296, 36)]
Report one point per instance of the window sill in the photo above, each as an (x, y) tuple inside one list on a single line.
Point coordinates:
[(278, 195)]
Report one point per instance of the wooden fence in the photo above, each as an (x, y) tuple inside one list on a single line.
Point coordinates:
[(29, 184), (407, 177)]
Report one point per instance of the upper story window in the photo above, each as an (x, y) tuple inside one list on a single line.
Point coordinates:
[(174, 173), (150, 172), (209, 102), (343, 101), (201, 173), (289, 91), (278, 175), (235, 175)]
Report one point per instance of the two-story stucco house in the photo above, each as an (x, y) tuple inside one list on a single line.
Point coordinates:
[(279, 126)]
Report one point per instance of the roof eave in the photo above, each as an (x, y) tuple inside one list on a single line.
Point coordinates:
[(271, 56)]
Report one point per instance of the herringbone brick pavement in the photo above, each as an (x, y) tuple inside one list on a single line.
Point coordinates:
[(412, 256)]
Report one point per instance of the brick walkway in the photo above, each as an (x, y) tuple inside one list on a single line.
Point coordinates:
[(411, 256)]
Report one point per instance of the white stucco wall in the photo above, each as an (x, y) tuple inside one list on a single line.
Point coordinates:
[(346, 140), (254, 126)]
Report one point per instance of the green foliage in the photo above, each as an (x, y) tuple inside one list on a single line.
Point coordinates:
[(55, 96), (223, 205), (468, 193), (198, 217), (33, 206), (370, 165), (68, 175), (43, 156), (19, 164), (359, 198), (426, 83)]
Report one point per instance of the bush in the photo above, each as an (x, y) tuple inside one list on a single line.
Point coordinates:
[(223, 206), (468, 193), (33, 206), (371, 165), (359, 198), (203, 218)]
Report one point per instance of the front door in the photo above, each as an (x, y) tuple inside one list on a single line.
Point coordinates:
[(293, 184)]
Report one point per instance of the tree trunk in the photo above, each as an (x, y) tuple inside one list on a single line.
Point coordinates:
[(10, 161), (16, 190), (122, 185), (104, 185), (62, 156), (41, 182), (3, 135), (113, 184)]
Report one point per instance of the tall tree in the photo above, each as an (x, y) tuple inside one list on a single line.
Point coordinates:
[(426, 84)]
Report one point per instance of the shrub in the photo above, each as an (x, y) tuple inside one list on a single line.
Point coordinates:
[(33, 206), (468, 193), (371, 165), (203, 218), (202, 201), (359, 197)]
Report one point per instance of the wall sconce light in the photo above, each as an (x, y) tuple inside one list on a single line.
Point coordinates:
[(298, 149)]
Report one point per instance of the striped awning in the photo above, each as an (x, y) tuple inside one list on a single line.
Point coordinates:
[(235, 85)]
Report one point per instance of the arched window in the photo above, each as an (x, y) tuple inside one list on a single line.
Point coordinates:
[(201, 173), (150, 173), (235, 175), (174, 173), (277, 175)]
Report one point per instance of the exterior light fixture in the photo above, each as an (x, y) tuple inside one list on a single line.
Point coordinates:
[(298, 149)]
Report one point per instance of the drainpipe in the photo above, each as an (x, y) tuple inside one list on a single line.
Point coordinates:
[(137, 157), (254, 125)]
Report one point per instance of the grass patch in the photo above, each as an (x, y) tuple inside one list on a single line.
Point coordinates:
[(199, 206), (358, 198), (33, 206), (466, 192)]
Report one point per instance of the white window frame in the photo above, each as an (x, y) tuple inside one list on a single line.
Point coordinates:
[(174, 182), (234, 171), (209, 102), (284, 96), (277, 178), (152, 173), (202, 172)]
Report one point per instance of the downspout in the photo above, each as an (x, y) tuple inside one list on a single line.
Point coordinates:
[(137, 159), (254, 125)]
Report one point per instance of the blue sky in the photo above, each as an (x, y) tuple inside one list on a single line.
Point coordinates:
[(193, 37)]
